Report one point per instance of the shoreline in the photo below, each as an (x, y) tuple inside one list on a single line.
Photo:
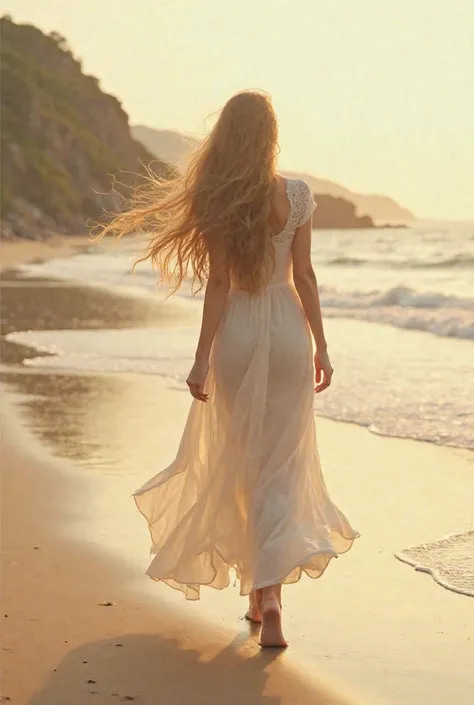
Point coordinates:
[(385, 405)]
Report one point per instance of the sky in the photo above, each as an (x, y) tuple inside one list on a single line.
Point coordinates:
[(376, 95)]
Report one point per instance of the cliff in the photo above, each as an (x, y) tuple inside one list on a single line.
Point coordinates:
[(337, 213), (175, 148), (63, 138)]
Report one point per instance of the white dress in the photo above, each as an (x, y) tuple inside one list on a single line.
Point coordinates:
[(246, 490)]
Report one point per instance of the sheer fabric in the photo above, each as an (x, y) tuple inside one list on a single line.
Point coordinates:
[(246, 489)]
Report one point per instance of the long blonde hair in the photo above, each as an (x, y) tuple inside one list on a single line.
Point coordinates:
[(222, 200)]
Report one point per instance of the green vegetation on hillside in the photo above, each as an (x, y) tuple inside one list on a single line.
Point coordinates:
[(63, 139)]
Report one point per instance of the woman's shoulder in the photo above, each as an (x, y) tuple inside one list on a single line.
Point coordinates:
[(295, 184), (298, 189), (302, 200)]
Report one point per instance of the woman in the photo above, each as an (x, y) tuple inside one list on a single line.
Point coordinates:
[(245, 490)]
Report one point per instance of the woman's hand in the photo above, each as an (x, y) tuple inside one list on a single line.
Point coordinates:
[(324, 371), (197, 378)]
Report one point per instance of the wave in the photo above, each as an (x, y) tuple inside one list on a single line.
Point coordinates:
[(342, 261), (461, 260), (450, 561), (445, 327), (396, 296), (399, 306), (402, 307)]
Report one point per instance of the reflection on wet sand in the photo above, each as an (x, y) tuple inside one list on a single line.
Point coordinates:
[(99, 421), (42, 304)]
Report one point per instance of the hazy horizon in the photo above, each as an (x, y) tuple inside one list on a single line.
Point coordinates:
[(372, 96)]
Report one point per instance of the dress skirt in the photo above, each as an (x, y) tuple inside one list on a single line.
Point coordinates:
[(246, 489)]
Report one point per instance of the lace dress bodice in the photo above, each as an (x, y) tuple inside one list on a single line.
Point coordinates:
[(302, 207)]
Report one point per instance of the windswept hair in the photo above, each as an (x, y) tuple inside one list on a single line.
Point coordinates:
[(222, 200)]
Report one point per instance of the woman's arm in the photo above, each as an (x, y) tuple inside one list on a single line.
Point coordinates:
[(307, 288), (215, 299)]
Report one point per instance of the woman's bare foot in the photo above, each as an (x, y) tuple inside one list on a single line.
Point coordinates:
[(253, 613), (271, 634)]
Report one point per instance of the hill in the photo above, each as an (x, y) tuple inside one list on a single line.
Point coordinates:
[(382, 209), (174, 147), (63, 138)]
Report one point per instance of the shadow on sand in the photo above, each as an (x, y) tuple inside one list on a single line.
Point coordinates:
[(157, 670)]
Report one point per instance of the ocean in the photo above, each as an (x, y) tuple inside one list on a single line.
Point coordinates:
[(402, 349)]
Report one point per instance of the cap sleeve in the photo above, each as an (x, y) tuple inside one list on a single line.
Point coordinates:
[(308, 205)]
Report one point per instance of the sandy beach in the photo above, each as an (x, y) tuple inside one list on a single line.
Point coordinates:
[(58, 630), (83, 623), (20, 251)]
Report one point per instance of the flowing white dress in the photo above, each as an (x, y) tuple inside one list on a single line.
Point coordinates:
[(246, 490)]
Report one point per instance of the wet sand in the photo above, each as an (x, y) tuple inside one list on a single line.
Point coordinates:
[(73, 449), (19, 251)]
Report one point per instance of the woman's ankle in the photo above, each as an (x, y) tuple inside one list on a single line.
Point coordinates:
[(271, 594)]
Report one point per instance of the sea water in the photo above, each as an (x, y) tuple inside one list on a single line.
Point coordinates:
[(403, 347)]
